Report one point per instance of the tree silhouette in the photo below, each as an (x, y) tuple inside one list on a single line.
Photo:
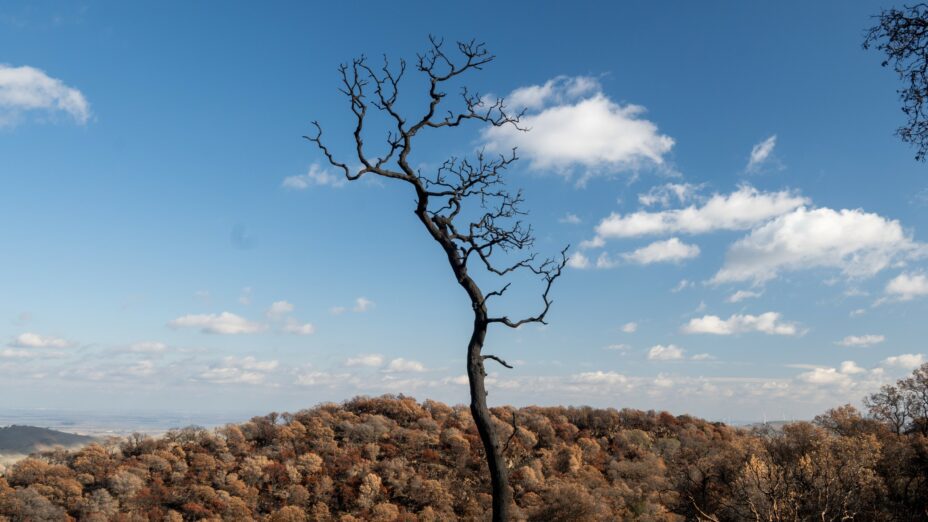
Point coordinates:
[(902, 35), (488, 237)]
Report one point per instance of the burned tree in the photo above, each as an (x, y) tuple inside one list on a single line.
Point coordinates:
[(464, 205), (902, 36)]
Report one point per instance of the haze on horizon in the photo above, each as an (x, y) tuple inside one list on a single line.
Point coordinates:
[(748, 234)]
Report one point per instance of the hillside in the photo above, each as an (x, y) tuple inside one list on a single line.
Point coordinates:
[(395, 459), (29, 439)]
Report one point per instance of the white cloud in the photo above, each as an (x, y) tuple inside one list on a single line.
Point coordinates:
[(856, 242), (701, 357), (578, 260), (663, 381), (250, 363), (33, 340), (861, 340), (24, 89), (362, 304), (850, 368), (148, 347), (660, 352), (683, 284), (17, 354), (618, 347), (825, 376), (665, 194), (740, 210), (279, 309), (741, 295), (768, 323), (905, 287), (555, 91), (326, 379), (224, 323), (760, 152), (224, 375), (630, 327), (235, 370), (906, 361), (599, 377), (670, 250), (404, 365), (371, 360), (315, 176), (570, 219), (573, 124), (292, 326)]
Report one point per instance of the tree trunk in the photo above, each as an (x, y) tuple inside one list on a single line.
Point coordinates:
[(499, 472)]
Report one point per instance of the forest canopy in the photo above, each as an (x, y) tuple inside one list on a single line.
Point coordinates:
[(392, 458)]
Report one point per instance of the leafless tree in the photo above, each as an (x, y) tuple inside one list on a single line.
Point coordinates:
[(902, 35), (464, 204)]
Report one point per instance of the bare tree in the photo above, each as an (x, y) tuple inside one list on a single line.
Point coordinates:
[(902, 35), (488, 235)]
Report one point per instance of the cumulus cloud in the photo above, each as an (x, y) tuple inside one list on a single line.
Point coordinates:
[(905, 287), (292, 326), (570, 219), (768, 323), (660, 352), (740, 210), (670, 250), (372, 360), (317, 176), (850, 368), (34, 340), (574, 125), (856, 242), (27, 89), (907, 361), (578, 260), (401, 365), (760, 153), (825, 376), (630, 327), (224, 323), (279, 309), (861, 340), (600, 377)]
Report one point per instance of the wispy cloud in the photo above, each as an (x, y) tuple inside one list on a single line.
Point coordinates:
[(760, 153), (316, 176), (861, 340), (27, 89)]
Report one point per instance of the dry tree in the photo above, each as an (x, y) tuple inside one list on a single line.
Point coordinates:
[(902, 36), (464, 204)]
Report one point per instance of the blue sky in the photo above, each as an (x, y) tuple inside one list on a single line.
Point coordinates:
[(747, 232)]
